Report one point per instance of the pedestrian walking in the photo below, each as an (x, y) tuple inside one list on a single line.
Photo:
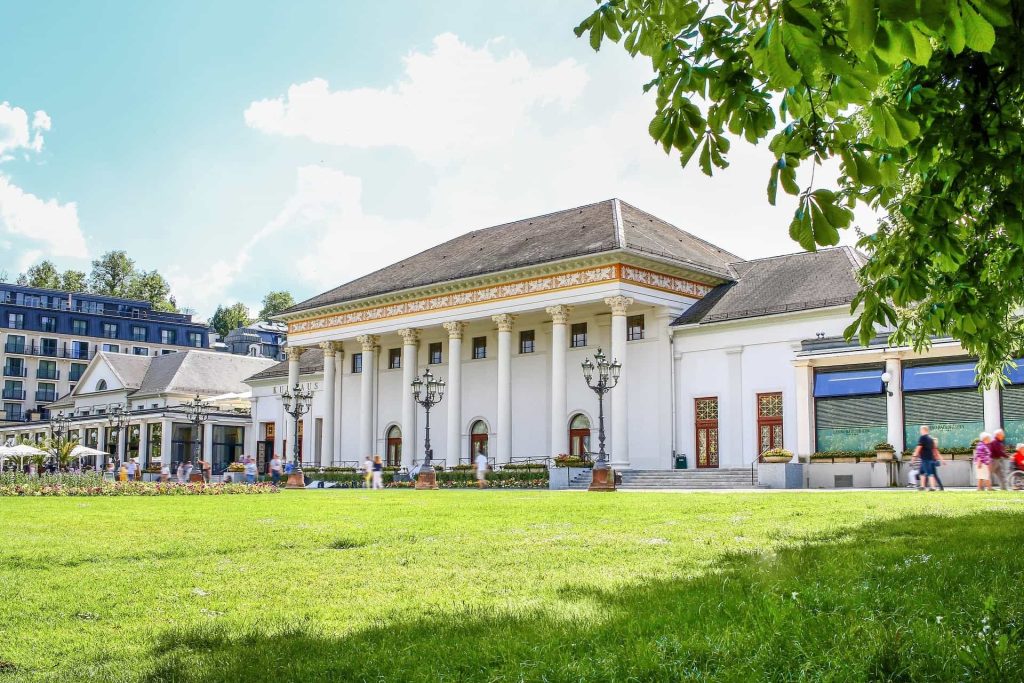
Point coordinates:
[(925, 450), (378, 473), (133, 469), (184, 471), (998, 466), (982, 461), (915, 470), (481, 470), (367, 472), (250, 470), (165, 472), (1018, 457), (276, 468)]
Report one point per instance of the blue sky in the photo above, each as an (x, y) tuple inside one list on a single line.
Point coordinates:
[(240, 147)]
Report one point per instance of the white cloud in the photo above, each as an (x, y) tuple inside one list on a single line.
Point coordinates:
[(503, 139), (48, 223), (452, 101), (16, 133)]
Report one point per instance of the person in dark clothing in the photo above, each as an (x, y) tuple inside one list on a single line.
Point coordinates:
[(926, 451), (997, 448)]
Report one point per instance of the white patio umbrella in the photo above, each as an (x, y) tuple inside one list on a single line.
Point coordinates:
[(19, 451), (81, 451)]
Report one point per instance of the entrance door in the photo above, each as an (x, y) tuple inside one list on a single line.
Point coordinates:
[(579, 436), (477, 440), (706, 414), (769, 422), (394, 450)]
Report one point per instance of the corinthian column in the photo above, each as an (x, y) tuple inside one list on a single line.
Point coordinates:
[(453, 442), (369, 344), (410, 342), (330, 399), (620, 414), (294, 353), (504, 322), (559, 442)]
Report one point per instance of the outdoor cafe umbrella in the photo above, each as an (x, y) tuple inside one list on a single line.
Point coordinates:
[(81, 451), (20, 451)]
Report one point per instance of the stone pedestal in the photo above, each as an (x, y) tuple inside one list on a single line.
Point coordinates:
[(426, 479), (602, 480), (296, 480)]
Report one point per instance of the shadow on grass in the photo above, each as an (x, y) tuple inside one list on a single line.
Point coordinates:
[(925, 598)]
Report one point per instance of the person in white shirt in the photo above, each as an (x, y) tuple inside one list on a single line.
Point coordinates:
[(250, 471), (184, 471), (132, 467), (481, 470), (275, 469), (367, 472)]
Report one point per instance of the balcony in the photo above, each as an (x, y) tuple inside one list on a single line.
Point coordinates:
[(14, 372), (14, 347), (14, 416), (14, 394), (46, 396), (48, 351), (47, 374)]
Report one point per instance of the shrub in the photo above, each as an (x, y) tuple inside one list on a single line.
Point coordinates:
[(92, 484), (884, 446), (528, 466), (571, 461), (777, 453), (828, 455)]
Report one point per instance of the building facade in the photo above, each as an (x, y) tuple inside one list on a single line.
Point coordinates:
[(722, 358), (154, 389), (49, 337), (264, 339)]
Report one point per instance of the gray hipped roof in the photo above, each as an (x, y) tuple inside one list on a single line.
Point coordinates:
[(310, 362), (130, 369), (795, 282), (200, 372), (585, 230)]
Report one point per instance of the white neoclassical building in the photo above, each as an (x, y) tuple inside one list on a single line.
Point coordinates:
[(722, 357)]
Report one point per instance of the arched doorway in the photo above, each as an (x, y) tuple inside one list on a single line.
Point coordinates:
[(579, 435), (393, 454), (477, 439)]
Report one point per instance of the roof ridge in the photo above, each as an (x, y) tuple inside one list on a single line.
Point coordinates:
[(792, 253), (703, 241)]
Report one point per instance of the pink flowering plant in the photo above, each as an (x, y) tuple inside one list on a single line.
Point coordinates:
[(93, 484)]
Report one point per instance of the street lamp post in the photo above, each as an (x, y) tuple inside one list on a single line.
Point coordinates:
[(428, 392), (297, 403), (118, 418), (607, 376), (59, 425), (197, 411)]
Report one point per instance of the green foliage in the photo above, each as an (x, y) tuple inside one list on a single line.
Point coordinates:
[(227, 318), (274, 303), (884, 446), (43, 274), (829, 455), (920, 102)]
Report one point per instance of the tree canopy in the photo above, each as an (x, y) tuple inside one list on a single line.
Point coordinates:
[(920, 101), (227, 318), (274, 303)]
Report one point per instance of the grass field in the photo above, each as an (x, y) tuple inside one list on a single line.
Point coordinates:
[(514, 586)]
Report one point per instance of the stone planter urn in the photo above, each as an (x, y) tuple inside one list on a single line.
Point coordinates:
[(777, 455), (884, 452)]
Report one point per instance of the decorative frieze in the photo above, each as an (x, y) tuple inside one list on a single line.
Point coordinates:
[(642, 276)]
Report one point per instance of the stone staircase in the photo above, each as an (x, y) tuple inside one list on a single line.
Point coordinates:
[(723, 478), (581, 480)]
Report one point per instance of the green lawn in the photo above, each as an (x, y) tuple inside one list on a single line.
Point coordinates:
[(513, 586)]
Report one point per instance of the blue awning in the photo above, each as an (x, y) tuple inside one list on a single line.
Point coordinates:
[(949, 376), (1016, 374), (848, 383)]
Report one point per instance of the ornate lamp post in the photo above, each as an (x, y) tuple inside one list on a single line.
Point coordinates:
[(428, 392), (59, 425), (297, 403), (607, 376), (197, 411), (118, 418)]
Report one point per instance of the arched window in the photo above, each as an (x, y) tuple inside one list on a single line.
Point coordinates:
[(477, 439), (254, 350), (579, 435), (394, 449), (101, 385)]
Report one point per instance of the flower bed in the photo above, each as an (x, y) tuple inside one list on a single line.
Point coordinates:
[(843, 456), (92, 484), (571, 461)]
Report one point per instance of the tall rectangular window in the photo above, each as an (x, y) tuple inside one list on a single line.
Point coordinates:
[(46, 392), (434, 351), (394, 359), (526, 341), (168, 336), (110, 330), (80, 350), (77, 370), (634, 328), (47, 347), (578, 335), (706, 424), (80, 327), (47, 370), (15, 343), (479, 347), (769, 421), (195, 339), (357, 363), (138, 333), (16, 321), (47, 323)]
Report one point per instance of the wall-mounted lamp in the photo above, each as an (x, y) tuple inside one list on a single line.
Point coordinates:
[(886, 378)]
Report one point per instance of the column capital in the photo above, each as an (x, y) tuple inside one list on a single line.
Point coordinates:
[(368, 342), (619, 304), (294, 352), (455, 329), (504, 321), (559, 314), (410, 336), (329, 347)]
